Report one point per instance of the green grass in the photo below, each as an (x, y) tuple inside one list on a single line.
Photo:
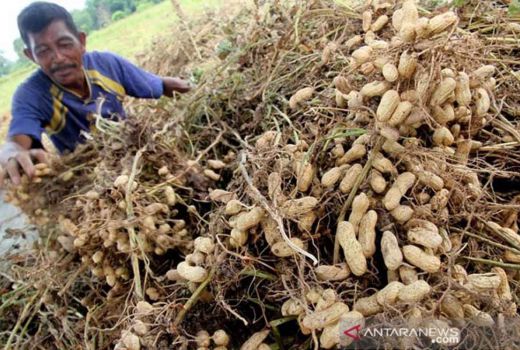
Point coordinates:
[(8, 84), (134, 34), (126, 37)]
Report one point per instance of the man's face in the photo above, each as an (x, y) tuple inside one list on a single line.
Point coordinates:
[(59, 53)]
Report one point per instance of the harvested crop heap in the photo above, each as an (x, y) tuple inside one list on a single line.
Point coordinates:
[(337, 167)]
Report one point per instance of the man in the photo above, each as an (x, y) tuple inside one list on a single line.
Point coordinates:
[(68, 89)]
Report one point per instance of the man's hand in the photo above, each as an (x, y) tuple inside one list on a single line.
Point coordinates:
[(175, 84), (14, 157)]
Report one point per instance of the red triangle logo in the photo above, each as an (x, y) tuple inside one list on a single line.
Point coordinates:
[(353, 332)]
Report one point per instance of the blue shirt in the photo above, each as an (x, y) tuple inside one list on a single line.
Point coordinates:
[(39, 104)]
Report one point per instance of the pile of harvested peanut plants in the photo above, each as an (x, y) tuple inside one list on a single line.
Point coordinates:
[(335, 166)]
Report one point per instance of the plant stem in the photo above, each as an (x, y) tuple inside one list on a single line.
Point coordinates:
[(131, 230), (489, 241), (24, 313), (194, 297), (494, 263)]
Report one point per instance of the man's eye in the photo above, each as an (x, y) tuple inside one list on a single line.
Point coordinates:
[(41, 52), (67, 44)]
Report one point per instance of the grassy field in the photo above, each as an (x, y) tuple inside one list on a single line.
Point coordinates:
[(126, 37)]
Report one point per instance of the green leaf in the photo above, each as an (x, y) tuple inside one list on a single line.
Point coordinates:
[(224, 48), (274, 325), (514, 7), (258, 273), (458, 3)]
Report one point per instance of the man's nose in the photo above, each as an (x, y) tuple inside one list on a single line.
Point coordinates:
[(58, 55)]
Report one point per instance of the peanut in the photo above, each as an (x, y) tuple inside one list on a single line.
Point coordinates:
[(414, 292), (367, 233), (351, 248), (392, 255), (300, 96), (401, 185), (323, 318), (418, 257)]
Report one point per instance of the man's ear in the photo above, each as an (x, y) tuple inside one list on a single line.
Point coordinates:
[(83, 40), (28, 53)]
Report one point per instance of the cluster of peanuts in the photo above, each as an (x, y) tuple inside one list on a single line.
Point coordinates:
[(447, 103), (454, 104), (409, 259), (219, 339), (212, 170), (20, 197), (322, 311), (243, 218), (193, 269), (139, 332), (136, 337), (357, 236), (106, 248)]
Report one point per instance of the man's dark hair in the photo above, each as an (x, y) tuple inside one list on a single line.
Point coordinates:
[(38, 15)]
